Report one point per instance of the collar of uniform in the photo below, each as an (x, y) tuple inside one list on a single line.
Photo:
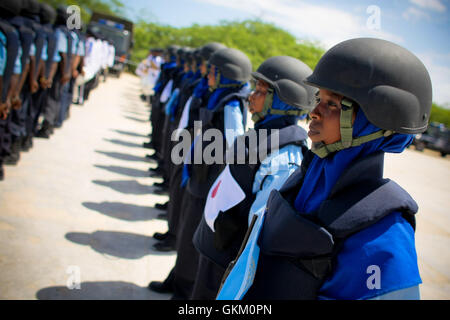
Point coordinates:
[(367, 168)]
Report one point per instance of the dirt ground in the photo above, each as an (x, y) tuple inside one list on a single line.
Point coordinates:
[(79, 208)]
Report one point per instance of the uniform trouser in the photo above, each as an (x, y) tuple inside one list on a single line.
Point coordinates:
[(176, 195), (187, 256), (66, 100), (20, 118), (53, 104), (79, 90), (88, 86), (5, 139), (208, 279), (39, 102), (165, 146), (157, 131)]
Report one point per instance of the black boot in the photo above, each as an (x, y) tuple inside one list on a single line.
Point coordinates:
[(160, 236), (2, 172), (45, 131), (148, 145), (27, 143), (163, 185), (165, 286), (168, 244), (152, 157), (162, 206), (14, 157)]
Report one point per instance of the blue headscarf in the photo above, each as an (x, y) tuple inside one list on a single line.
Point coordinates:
[(202, 88), (323, 174), (279, 105), (165, 66), (219, 92)]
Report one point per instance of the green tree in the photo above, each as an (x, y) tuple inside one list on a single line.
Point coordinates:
[(440, 115), (257, 39)]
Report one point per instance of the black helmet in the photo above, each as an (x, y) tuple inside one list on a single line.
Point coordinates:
[(208, 49), (12, 7), (61, 15), (390, 84), (181, 52), (189, 56), (232, 64), (196, 54), (30, 8), (46, 13), (172, 49), (286, 75)]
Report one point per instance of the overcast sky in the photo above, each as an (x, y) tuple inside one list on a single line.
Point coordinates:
[(422, 26)]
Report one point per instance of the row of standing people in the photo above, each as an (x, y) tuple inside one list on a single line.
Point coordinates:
[(44, 68), (299, 223)]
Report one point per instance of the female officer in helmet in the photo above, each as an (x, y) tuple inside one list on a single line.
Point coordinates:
[(337, 229), (243, 186)]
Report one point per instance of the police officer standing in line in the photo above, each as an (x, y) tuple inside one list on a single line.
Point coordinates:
[(179, 80), (47, 17), (34, 53), (244, 185), (227, 78), (11, 68), (62, 76), (190, 97), (27, 31), (177, 192), (158, 100), (336, 223)]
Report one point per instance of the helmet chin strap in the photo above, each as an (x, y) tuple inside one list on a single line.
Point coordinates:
[(267, 109), (218, 85), (322, 150)]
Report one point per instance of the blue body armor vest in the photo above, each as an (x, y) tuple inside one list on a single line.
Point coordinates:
[(298, 250), (203, 175), (230, 226)]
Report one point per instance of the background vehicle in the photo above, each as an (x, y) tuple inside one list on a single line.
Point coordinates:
[(437, 137), (120, 32)]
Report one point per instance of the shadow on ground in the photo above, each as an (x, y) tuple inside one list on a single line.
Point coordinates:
[(124, 211), (122, 156), (129, 133), (101, 290), (126, 186), (118, 244), (124, 143), (125, 171), (136, 119), (136, 113)]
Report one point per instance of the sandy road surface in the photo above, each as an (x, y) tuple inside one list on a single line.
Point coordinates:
[(80, 206)]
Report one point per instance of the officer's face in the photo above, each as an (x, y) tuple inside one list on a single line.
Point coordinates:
[(203, 68), (194, 66), (258, 96), (324, 126), (212, 76)]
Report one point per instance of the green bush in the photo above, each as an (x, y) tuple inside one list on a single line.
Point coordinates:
[(440, 115), (257, 39)]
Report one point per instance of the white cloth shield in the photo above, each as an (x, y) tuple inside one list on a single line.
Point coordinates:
[(165, 95), (184, 118), (224, 194)]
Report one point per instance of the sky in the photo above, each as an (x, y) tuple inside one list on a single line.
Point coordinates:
[(421, 26)]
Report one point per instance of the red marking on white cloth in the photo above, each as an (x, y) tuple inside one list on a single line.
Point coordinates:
[(215, 189), (229, 196)]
